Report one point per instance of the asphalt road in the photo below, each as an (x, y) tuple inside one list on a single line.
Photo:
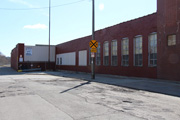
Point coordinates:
[(41, 96)]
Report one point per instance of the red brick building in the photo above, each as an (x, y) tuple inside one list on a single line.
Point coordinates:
[(32, 57), (145, 47), (141, 27)]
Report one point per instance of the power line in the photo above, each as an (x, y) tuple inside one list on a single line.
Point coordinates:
[(43, 7)]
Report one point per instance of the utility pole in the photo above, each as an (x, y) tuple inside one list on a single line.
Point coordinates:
[(93, 38), (49, 32)]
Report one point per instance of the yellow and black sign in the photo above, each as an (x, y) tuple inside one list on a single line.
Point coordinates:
[(93, 44), (93, 50)]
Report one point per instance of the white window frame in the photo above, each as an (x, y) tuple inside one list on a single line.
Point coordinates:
[(123, 50), (135, 51), (104, 53), (112, 52), (149, 49)]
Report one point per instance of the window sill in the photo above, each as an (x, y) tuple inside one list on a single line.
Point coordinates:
[(138, 66), (152, 66), (125, 65), (114, 65)]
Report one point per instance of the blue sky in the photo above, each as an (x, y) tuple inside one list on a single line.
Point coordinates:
[(20, 23)]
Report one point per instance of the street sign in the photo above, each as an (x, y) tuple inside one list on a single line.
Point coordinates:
[(93, 50), (93, 44), (92, 55)]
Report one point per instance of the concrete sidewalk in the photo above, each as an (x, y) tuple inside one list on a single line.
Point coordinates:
[(152, 85)]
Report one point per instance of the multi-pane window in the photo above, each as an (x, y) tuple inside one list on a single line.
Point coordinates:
[(138, 57), (57, 61), (125, 52), (106, 53), (60, 61), (114, 59), (98, 55), (153, 49), (171, 40)]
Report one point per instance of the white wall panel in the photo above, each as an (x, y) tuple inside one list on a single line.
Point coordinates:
[(39, 53), (83, 58), (67, 58)]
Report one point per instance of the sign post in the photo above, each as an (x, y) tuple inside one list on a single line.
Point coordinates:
[(93, 45), (93, 38)]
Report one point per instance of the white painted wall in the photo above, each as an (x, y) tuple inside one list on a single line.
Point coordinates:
[(83, 58), (67, 58), (39, 53)]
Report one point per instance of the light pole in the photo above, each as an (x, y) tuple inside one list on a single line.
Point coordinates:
[(49, 32), (93, 38)]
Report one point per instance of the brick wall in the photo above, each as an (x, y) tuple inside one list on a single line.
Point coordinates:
[(14, 62), (141, 26), (15, 55), (168, 16)]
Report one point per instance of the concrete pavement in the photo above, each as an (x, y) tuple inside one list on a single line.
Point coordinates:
[(71, 96), (29, 108)]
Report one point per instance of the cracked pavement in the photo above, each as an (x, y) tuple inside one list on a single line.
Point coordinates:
[(41, 96)]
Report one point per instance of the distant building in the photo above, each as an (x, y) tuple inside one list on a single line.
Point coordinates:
[(145, 47), (30, 57)]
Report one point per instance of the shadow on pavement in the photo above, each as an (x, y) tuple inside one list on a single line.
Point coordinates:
[(82, 84), (165, 87)]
